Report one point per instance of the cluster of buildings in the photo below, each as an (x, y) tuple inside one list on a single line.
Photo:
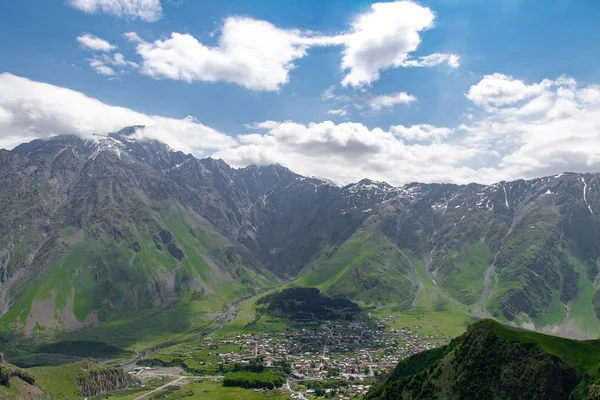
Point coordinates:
[(335, 359), (329, 350)]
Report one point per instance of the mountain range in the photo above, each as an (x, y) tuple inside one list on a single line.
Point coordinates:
[(102, 229)]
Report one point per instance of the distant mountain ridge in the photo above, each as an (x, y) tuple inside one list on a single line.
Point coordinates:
[(93, 229)]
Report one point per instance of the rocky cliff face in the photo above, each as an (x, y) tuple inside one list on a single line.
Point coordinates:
[(70, 381), (103, 380), (92, 228), (8, 372)]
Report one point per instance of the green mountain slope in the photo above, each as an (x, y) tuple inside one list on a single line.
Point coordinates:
[(100, 279), (70, 381), (367, 268), (96, 234), (522, 252), (111, 240), (493, 361)]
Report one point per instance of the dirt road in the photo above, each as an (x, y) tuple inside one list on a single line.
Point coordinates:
[(145, 396)]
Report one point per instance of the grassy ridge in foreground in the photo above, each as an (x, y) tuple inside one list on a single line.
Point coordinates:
[(203, 390), (493, 361)]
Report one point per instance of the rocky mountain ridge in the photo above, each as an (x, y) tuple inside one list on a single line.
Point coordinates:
[(133, 224)]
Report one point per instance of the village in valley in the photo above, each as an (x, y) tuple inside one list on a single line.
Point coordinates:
[(323, 359)]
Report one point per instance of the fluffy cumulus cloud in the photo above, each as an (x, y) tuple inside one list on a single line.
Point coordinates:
[(384, 38), (259, 55), (539, 128), (499, 90), (421, 132), (348, 151), (379, 103), (94, 43), (523, 133), (254, 54), (30, 110), (519, 130), (146, 10)]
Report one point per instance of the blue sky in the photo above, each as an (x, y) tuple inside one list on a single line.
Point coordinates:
[(523, 42)]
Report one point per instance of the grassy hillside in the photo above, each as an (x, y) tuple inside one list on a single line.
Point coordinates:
[(432, 309), (70, 381), (493, 361), (201, 390), (182, 270), (462, 272), (368, 268), (371, 269)]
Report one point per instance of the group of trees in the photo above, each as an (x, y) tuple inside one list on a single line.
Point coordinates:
[(255, 375), (250, 380), (320, 387), (307, 303), (256, 364)]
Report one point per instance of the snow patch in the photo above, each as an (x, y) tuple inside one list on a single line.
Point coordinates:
[(585, 186), (505, 197), (103, 143)]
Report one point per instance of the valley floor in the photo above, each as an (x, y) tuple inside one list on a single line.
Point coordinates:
[(335, 357), (332, 357)]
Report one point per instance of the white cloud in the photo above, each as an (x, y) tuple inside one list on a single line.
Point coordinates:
[(431, 60), (523, 130), (421, 132), (264, 125), (112, 65), (538, 129), (132, 37), (101, 68), (259, 55), (6, 116), (499, 90), (384, 37), (30, 109), (254, 54), (146, 10), (378, 103), (590, 95), (94, 43), (329, 93), (119, 60), (349, 151), (550, 131), (339, 112)]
